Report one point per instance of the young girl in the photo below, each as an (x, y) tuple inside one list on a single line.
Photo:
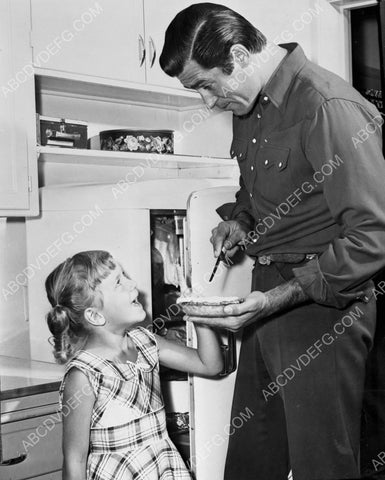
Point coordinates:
[(114, 424)]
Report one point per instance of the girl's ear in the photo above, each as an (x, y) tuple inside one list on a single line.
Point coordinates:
[(240, 55), (93, 317)]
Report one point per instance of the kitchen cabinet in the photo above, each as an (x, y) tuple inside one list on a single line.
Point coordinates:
[(103, 38), (77, 83), (31, 447), (112, 39), (30, 430), (18, 179)]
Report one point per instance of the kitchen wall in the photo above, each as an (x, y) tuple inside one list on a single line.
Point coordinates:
[(14, 333), (331, 40)]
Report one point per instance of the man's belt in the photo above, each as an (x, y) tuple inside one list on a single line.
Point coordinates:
[(285, 258)]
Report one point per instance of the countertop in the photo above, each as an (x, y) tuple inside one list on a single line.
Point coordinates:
[(21, 377)]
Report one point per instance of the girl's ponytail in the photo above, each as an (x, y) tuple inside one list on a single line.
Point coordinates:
[(58, 323)]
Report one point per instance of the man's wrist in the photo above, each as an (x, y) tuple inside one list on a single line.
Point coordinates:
[(284, 296)]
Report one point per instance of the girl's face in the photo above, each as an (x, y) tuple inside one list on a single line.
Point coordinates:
[(121, 308)]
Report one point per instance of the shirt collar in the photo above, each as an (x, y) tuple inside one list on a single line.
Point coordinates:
[(278, 85)]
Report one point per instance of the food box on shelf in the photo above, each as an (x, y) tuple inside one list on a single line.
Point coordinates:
[(61, 132)]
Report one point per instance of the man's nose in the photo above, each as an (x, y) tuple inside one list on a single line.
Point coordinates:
[(131, 284), (209, 99)]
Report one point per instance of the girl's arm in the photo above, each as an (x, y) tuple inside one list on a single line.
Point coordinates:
[(206, 360), (78, 401)]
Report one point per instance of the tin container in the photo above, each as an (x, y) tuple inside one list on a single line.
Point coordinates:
[(146, 141)]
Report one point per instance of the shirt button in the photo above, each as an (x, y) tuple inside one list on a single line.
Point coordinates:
[(240, 155), (259, 115), (252, 167), (254, 140), (265, 98), (265, 140), (280, 164), (251, 195), (266, 162)]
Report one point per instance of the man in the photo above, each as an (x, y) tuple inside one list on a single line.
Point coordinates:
[(311, 211)]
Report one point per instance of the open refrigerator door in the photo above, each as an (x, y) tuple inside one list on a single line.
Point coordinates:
[(211, 399)]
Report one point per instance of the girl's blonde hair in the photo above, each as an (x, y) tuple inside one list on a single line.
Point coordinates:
[(72, 288)]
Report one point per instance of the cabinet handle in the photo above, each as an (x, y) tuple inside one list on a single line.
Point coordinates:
[(142, 51), (229, 352), (13, 461), (153, 50)]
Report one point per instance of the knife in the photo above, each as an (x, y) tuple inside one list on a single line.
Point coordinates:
[(220, 257)]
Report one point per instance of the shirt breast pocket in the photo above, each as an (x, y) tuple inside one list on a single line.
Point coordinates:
[(274, 179)]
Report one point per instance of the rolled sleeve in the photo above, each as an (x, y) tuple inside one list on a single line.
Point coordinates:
[(315, 285), (347, 135)]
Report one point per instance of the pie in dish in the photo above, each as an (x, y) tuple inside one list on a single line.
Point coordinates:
[(206, 306)]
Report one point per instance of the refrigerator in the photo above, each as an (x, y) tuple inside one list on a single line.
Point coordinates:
[(141, 225)]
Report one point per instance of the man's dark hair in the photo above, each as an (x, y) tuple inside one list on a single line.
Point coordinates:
[(205, 32)]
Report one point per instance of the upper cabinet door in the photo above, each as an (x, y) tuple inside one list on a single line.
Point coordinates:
[(18, 178), (158, 16), (100, 38)]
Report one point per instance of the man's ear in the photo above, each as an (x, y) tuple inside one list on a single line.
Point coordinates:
[(240, 55), (93, 317)]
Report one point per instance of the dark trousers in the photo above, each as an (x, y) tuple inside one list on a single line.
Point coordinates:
[(301, 373), (373, 431)]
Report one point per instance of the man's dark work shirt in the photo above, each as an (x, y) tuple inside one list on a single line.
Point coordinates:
[(313, 179)]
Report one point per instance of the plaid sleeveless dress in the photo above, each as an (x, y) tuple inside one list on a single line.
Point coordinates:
[(128, 437)]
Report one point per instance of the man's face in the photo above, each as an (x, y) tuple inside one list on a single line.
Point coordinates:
[(235, 92)]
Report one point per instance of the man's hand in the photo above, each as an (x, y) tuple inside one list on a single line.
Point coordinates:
[(228, 235), (256, 306), (237, 316)]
